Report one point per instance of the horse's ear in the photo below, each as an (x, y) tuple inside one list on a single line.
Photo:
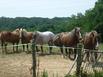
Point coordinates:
[(92, 34), (19, 28), (77, 29)]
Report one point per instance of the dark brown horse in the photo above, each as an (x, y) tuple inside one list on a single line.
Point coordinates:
[(11, 37), (90, 41), (26, 38), (68, 39)]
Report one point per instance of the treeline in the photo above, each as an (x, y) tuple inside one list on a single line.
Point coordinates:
[(91, 20), (34, 23)]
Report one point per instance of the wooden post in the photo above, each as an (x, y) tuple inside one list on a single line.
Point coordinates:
[(79, 59), (34, 58)]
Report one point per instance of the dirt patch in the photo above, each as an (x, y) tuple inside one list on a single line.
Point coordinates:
[(17, 65)]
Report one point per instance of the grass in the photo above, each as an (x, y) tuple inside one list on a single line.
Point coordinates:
[(101, 46), (85, 74), (17, 65)]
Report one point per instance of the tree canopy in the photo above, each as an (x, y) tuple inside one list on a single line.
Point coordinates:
[(91, 20)]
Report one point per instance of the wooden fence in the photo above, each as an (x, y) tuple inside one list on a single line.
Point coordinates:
[(79, 62)]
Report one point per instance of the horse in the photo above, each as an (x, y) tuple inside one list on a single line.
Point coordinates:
[(68, 39), (41, 38), (11, 37), (91, 42), (26, 38)]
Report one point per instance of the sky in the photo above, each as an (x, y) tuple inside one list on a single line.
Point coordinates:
[(44, 8)]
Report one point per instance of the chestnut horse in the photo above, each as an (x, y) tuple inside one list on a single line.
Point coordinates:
[(11, 37), (90, 41), (26, 38), (68, 39), (43, 38)]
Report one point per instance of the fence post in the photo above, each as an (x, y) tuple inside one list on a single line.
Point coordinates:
[(34, 58), (79, 59)]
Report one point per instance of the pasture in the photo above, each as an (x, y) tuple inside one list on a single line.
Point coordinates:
[(18, 64)]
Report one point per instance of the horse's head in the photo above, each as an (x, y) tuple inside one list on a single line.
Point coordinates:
[(35, 35), (94, 36), (23, 32), (17, 31), (78, 33)]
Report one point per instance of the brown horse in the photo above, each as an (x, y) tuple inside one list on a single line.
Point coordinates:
[(90, 41), (11, 37), (26, 38), (68, 39)]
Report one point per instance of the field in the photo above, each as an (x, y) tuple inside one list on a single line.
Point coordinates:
[(18, 65)]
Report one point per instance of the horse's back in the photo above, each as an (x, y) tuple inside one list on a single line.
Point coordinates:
[(69, 39), (44, 37), (7, 36)]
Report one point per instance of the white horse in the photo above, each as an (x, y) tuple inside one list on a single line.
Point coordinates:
[(43, 38)]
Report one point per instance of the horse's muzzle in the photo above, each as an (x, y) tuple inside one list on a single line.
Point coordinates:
[(80, 40)]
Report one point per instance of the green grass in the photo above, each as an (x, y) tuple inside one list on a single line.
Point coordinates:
[(101, 46), (45, 74), (85, 74)]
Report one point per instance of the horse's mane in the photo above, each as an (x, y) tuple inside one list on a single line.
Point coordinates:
[(24, 30), (16, 31), (88, 33), (37, 32), (72, 32)]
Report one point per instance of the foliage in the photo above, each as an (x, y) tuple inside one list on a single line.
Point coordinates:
[(91, 20)]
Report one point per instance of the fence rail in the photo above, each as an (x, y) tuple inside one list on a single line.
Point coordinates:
[(78, 62)]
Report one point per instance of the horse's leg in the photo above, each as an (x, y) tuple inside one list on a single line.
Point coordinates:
[(27, 48), (23, 48), (72, 53), (37, 49), (88, 55), (42, 49), (13, 48), (66, 51), (75, 53), (50, 49), (5, 48), (95, 56), (50, 46), (2, 47), (16, 47), (61, 48)]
